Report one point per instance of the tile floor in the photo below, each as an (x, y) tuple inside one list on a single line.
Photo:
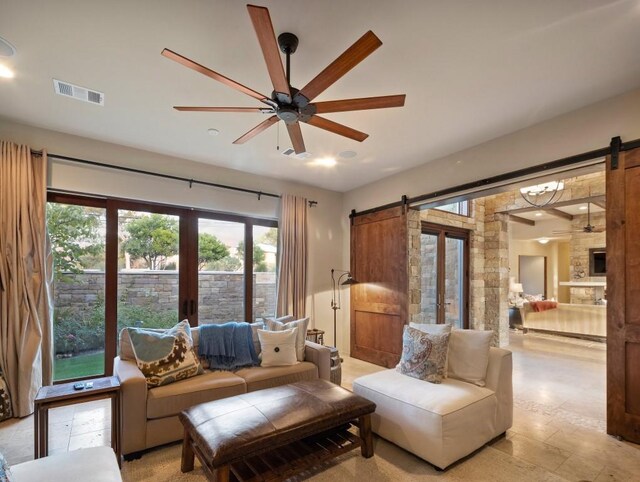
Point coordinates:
[(559, 416)]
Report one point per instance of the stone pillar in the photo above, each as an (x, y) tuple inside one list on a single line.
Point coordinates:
[(496, 274), (413, 252)]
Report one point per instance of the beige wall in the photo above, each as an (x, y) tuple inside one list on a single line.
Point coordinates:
[(519, 248), (325, 230)]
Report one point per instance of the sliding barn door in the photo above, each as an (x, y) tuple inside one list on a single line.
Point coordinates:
[(379, 302), (623, 294)]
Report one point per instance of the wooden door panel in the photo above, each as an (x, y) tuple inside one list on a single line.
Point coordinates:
[(379, 300), (623, 294)]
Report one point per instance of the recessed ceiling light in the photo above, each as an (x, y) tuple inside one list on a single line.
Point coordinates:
[(6, 72), (348, 154), (213, 132), (6, 49), (324, 162), (583, 208), (543, 240), (538, 214)]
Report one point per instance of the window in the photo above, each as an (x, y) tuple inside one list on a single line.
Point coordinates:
[(461, 208), (123, 263)]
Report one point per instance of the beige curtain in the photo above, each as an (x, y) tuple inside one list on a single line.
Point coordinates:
[(25, 262), (292, 269)]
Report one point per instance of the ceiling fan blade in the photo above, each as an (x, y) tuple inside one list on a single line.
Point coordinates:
[(359, 104), (222, 109), (295, 133), (567, 231), (267, 38), (343, 64), (257, 130), (336, 128), (170, 54)]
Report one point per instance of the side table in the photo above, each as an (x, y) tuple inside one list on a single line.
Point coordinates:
[(63, 394), (315, 335)]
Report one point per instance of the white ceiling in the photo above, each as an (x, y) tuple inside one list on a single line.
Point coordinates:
[(575, 210), (472, 71)]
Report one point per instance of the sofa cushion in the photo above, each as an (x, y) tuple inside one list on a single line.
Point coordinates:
[(98, 464), (469, 355), (424, 356), (165, 357), (169, 400), (301, 324), (258, 378)]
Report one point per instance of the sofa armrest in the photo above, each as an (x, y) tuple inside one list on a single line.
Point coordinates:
[(499, 379), (320, 356), (133, 386)]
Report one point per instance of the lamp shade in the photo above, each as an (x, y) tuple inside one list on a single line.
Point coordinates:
[(349, 281), (517, 288)]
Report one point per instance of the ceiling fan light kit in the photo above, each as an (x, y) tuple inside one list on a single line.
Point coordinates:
[(287, 103)]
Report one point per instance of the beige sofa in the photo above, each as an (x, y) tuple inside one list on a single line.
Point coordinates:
[(441, 423), (572, 319), (150, 416)]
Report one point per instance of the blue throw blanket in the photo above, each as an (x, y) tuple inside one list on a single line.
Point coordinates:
[(227, 346)]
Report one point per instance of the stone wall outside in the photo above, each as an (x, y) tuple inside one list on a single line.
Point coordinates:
[(221, 293)]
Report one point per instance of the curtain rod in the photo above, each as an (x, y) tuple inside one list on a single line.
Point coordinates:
[(166, 176), (613, 149)]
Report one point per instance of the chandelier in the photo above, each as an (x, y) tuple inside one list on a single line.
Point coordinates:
[(541, 195)]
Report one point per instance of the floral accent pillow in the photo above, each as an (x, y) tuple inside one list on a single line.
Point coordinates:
[(5, 400), (424, 356), (167, 356), (5, 471)]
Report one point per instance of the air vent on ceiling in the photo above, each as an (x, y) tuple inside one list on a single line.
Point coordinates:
[(291, 152), (79, 93)]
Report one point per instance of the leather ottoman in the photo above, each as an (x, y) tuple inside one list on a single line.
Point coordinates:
[(275, 433)]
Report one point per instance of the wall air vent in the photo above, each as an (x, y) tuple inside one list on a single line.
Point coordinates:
[(289, 152), (79, 93)]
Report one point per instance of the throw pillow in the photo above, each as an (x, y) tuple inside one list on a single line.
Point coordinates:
[(5, 471), (254, 334), (432, 328), (278, 347), (165, 357), (424, 356), (301, 325), (469, 355), (282, 319), (5, 400)]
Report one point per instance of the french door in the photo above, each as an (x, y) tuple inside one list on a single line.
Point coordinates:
[(445, 275), (120, 263)]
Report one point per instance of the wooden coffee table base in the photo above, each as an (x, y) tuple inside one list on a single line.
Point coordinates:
[(283, 462)]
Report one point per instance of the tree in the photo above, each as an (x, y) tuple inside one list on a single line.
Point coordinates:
[(75, 237), (153, 238), (259, 264), (210, 250), (270, 237), (228, 263)]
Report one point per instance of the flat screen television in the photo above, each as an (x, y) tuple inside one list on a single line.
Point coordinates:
[(597, 262)]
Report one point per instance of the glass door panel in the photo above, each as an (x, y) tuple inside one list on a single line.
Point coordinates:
[(220, 271), (429, 254), (265, 263), (78, 236), (454, 282), (148, 269)]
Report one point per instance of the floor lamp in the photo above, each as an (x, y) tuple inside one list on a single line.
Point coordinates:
[(335, 301)]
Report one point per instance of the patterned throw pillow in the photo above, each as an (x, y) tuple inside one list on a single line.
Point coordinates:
[(278, 347), (5, 471), (301, 324), (5, 400), (424, 356), (165, 357)]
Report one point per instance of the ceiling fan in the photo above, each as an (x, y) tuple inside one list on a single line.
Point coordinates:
[(287, 103), (589, 228)]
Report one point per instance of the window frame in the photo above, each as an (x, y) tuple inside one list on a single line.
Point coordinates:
[(188, 256)]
